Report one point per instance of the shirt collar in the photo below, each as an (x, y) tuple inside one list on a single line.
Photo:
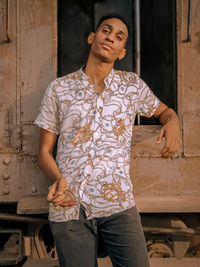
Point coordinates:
[(82, 74), (108, 79)]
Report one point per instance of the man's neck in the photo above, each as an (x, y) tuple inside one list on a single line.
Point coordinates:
[(97, 70)]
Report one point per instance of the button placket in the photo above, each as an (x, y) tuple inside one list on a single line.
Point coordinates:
[(96, 135), (98, 119)]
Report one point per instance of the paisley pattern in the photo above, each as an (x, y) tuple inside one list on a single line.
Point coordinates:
[(95, 138)]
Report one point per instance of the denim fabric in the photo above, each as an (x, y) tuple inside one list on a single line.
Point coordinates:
[(121, 233)]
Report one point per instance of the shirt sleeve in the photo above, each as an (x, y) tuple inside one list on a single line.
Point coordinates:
[(48, 118), (147, 101)]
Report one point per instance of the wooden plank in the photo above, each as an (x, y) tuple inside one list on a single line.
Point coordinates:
[(105, 262), (167, 178), (9, 112), (191, 129), (168, 203), (38, 51), (171, 262), (40, 263), (32, 205)]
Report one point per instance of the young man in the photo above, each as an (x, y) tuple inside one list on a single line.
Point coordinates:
[(93, 111)]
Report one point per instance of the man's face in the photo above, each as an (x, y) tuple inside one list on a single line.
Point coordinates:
[(109, 40)]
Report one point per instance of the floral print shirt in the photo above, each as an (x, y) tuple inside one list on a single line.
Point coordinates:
[(93, 150)]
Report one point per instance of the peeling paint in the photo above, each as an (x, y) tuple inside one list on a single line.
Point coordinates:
[(197, 41), (25, 75)]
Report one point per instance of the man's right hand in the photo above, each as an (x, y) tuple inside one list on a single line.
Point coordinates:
[(56, 193)]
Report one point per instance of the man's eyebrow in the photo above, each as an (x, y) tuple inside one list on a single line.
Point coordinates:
[(111, 27), (108, 25)]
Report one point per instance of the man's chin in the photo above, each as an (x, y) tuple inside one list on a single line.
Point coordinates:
[(106, 59), (104, 56)]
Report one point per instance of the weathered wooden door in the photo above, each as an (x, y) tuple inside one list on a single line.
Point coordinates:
[(28, 56)]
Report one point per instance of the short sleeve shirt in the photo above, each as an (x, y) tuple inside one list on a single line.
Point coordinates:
[(95, 130)]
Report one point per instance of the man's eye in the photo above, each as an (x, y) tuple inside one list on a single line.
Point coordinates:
[(119, 37), (105, 30)]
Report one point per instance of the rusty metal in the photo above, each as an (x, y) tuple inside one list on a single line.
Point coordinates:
[(12, 252), (160, 186), (4, 25), (39, 243), (6, 190), (40, 263), (6, 160), (180, 247), (175, 231), (5, 175), (138, 46), (159, 250), (188, 38), (172, 262), (20, 218)]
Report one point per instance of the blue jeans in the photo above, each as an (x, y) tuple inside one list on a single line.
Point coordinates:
[(122, 235)]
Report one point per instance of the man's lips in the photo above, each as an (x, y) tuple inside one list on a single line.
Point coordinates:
[(106, 46)]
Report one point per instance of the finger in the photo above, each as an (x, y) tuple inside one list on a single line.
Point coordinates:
[(168, 147), (164, 155), (168, 153), (51, 193), (62, 185), (58, 198), (173, 149), (176, 147), (64, 202), (160, 136), (164, 151), (67, 203)]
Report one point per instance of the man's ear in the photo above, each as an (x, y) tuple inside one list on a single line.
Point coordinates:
[(122, 54), (90, 38)]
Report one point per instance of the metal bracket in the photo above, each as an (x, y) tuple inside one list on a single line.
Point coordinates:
[(4, 38), (188, 39)]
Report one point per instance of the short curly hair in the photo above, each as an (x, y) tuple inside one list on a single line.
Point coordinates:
[(111, 16)]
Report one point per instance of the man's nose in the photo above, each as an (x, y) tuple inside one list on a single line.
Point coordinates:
[(110, 38)]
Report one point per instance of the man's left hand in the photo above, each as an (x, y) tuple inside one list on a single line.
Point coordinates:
[(171, 132)]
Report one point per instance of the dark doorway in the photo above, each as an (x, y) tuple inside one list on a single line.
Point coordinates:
[(76, 18), (75, 22), (158, 50)]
